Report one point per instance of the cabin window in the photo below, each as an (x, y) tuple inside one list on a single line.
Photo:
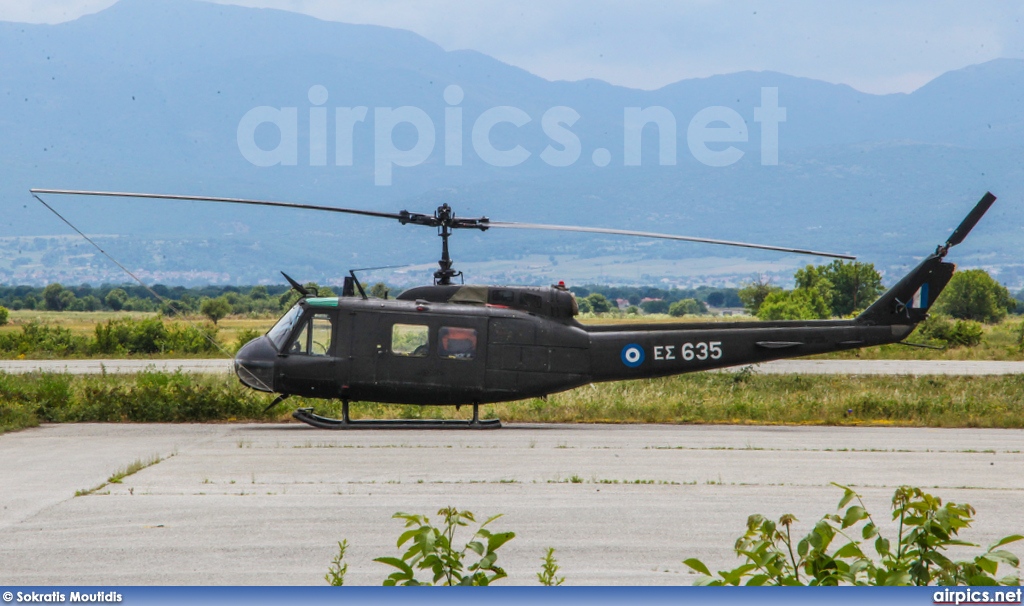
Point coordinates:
[(412, 340), (530, 301), (503, 297), (457, 343), (314, 338)]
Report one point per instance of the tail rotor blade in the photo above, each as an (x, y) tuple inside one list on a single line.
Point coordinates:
[(971, 220)]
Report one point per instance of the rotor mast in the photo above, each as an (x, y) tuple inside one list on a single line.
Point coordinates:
[(444, 275)]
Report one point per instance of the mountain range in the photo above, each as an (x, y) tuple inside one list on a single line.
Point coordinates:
[(152, 95)]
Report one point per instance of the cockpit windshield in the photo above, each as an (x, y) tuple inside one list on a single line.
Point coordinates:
[(279, 333)]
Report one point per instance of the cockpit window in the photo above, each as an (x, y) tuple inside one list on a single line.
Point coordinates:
[(314, 338), (279, 333)]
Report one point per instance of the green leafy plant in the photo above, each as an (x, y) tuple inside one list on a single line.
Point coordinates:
[(959, 333), (335, 576), (926, 529), (433, 549), (548, 576)]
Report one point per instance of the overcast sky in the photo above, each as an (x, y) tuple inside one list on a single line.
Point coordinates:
[(874, 46)]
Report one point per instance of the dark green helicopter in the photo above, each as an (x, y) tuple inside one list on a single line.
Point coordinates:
[(456, 344)]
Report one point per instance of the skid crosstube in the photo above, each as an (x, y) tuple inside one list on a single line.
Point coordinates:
[(307, 416)]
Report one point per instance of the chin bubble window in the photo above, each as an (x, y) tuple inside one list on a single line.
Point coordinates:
[(457, 343), (411, 340)]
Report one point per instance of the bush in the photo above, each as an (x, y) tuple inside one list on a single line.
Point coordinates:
[(599, 304), (926, 529), (432, 549), (974, 295), (655, 306), (799, 304), (244, 336), (36, 337), (149, 336), (685, 307), (3, 315), (753, 294), (961, 333)]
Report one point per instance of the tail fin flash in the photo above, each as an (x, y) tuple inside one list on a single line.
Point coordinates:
[(909, 300)]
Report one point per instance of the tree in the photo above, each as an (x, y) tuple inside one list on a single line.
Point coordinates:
[(378, 290), (687, 307), (66, 299), (799, 304), (599, 303), (854, 285), (813, 279), (116, 299), (3, 315), (716, 299), (755, 292), (974, 295), (656, 306), (54, 298), (215, 309)]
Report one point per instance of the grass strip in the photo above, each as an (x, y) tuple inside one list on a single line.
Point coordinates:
[(132, 468), (720, 398)]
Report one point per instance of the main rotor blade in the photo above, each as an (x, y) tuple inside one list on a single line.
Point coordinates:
[(482, 223), (118, 194), (971, 220), (648, 234)]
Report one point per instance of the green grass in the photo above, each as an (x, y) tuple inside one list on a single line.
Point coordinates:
[(132, 468), (702, 398)]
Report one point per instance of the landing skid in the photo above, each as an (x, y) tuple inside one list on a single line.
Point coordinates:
[(306, 415)]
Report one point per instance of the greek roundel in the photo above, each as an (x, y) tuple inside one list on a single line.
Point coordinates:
[(632, 355)]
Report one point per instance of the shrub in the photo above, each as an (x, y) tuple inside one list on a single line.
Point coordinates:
[(961, 333), (755, 292), (244, 336), (548, 575), (431, 548), (799, 304), (926, 529), (3, 315), (974, 295), (599, 303), (685, 307), (36, 337), (655, 306), (335, 576), (151, 335)]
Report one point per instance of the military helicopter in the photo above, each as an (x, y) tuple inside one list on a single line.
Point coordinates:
[(455, 344)]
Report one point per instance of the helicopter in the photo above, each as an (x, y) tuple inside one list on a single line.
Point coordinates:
[(450, 344)]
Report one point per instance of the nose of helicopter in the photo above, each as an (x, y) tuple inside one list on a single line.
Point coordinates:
[(254, 364)]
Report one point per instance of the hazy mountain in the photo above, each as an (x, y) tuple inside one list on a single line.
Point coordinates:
[(148, 95)]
